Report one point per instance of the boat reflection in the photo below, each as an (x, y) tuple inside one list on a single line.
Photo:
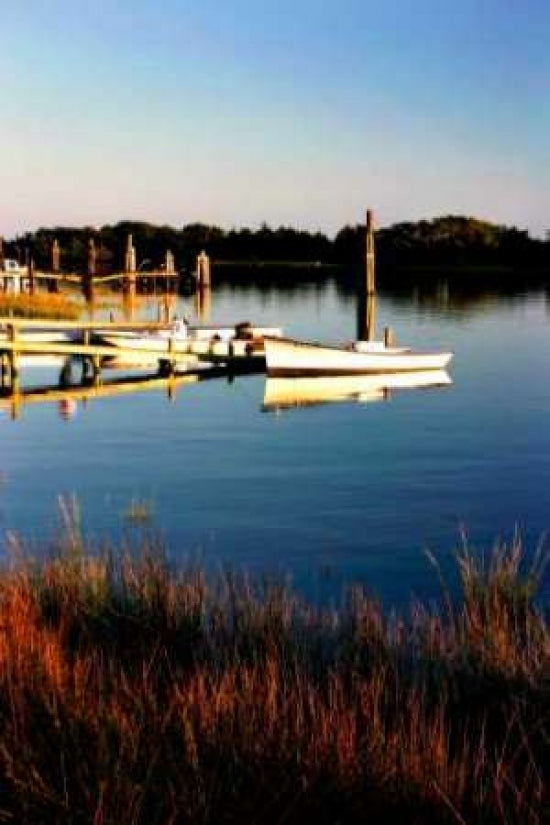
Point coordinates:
[(290, 393)]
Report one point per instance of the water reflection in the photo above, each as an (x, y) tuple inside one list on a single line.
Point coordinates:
[(68, 398), (290, 393), (462, 293), (304, 490), (203, 303), (67, 408)]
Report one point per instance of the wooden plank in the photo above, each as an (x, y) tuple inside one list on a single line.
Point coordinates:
[(76, 349), (214, 351), (44, 323)]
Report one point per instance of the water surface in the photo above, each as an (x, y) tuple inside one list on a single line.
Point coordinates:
[(326, 494)]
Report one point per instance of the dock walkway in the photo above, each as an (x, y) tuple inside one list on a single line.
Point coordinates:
[(235, 354)]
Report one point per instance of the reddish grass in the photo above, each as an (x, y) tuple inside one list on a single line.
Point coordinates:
[(132, 695), (39, 305)]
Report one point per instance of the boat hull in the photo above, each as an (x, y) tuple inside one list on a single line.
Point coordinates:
[(286, 357)]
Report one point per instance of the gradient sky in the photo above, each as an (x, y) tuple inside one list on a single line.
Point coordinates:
[(298, 113)]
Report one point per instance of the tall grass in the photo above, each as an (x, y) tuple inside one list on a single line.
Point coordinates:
[(40, 305), (132, 694)]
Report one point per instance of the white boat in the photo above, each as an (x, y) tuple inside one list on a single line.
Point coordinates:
[(287, 357), (226, 333), (179, 336), (39, 336), (288, 393)]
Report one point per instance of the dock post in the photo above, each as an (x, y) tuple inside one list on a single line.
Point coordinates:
[(92, 258), (96, 368), (129, 282), (3, 369), (88, 280), (56, 257), (130, 256), (30, 270), (13, 357), (370, 262), (86, 370), (366, 292), (4, 287), (389, 337), (172, 353), (170, 270), (53, 283), (203, 270), (170, 266)]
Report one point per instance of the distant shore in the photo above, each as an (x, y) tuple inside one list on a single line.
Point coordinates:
[(453, 243)]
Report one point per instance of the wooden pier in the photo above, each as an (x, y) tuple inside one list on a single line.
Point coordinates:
[(235, 355)]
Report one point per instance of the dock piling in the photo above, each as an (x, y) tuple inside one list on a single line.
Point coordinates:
[(56, 257), (366, 291), (203, 270), (370, 263)]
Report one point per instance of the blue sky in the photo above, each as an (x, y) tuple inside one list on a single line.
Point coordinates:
[(298, 113)]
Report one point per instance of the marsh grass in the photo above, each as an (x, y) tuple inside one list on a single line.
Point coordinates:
[(40, 305), (133, 694)]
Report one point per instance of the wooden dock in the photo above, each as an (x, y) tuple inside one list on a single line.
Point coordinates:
[(235, 355)]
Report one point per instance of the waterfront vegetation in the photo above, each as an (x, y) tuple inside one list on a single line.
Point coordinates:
[(132, 694), (52, 307), (463, 243)]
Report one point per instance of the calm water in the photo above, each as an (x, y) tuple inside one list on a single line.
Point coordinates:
[(328, 493)]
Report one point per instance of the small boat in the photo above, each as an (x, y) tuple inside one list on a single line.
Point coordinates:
[(39, 336), (287, 357), (179, 336), (289, 393), (244, 331)]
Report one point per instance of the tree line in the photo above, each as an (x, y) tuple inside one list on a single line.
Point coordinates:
[(449, 241)]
